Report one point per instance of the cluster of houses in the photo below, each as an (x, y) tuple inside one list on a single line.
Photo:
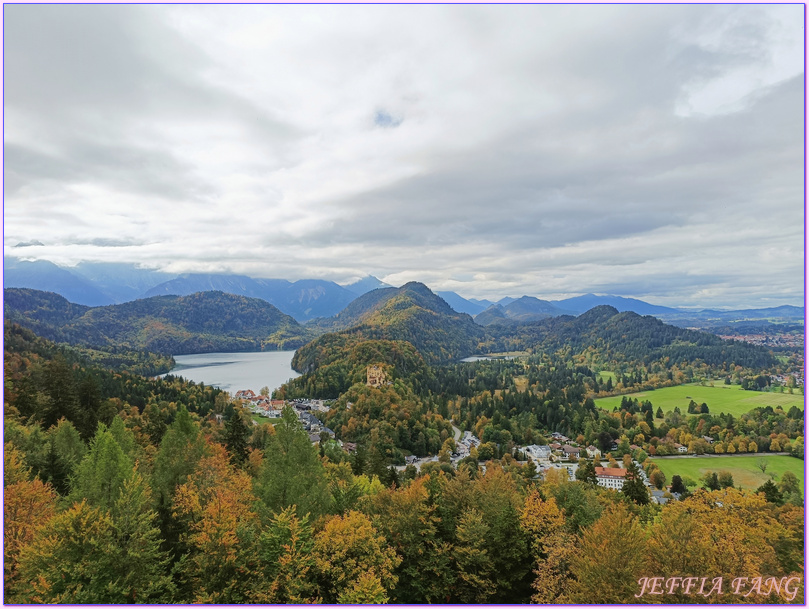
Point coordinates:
[(561, 449), (555, 454), (263, 406), (785, 379)]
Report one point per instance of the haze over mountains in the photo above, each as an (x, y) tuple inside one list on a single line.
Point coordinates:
[(100, 284)]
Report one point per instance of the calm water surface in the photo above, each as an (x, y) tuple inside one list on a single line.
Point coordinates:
[(234, 371)]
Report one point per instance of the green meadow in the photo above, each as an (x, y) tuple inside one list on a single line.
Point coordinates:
[(604, 375), (744, 469), (731, 399)]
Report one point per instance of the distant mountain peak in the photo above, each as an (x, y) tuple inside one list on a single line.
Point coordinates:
[(365, 285)]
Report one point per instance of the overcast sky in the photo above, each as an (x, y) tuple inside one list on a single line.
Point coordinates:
[(650, 151)]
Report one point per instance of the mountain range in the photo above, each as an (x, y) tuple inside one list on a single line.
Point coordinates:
[(215, 321), (100, 284)]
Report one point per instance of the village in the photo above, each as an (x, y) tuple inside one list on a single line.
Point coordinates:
[(264, 406), (561, 454)]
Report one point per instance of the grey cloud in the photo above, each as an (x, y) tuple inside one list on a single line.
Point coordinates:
[(87, 78), (129, 168), (527, 128), (549, 196)]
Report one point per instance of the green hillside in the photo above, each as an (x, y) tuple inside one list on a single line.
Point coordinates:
[(605, 337), (411, 313), (199, 323)]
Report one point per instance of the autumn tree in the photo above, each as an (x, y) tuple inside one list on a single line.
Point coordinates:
[(347, 552), (618, 535), (367, 590), (552, 546), (725, 479), (215, 507), (716, 534), (27, 506), (72, 559), (658, 478), (286, 557), (408, 521)]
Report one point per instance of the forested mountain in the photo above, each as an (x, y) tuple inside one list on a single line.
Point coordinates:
[(356, 311), (526, 308), (199, 323), (303, 299), (495, 314), (411, 313), (606, 335), (104, 283)]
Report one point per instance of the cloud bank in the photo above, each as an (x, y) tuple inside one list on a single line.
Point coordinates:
[(647, 151)]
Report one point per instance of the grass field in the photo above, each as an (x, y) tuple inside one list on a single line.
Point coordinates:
[(744, 469), (259, 419), (731, 399)]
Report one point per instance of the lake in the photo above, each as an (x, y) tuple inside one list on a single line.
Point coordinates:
[(234, 371)]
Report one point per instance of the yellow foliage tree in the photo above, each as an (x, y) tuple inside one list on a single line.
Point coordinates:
[(216, 507), (716, 534), (618, 536), (552, 547), (348, 548), (27, 506)]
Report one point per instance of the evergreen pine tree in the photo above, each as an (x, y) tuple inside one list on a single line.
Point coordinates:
[(236, 434)]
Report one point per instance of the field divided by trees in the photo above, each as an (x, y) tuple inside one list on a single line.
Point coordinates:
[(730, 399), (744, 469)]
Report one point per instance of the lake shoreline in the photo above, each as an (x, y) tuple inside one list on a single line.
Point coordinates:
[(234, 371)]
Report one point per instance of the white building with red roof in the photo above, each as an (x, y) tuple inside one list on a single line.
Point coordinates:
[(611, 477)]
